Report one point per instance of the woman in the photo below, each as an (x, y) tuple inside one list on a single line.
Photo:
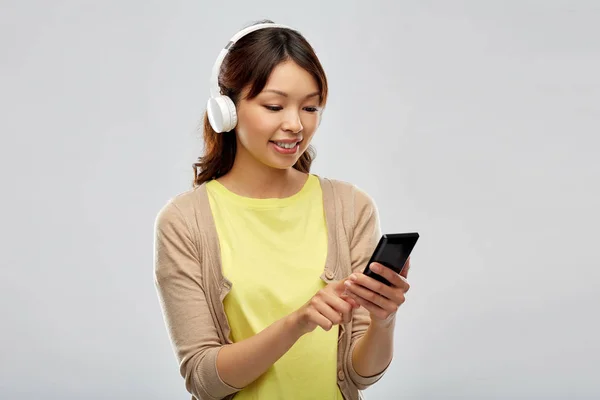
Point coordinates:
[(258, 267)]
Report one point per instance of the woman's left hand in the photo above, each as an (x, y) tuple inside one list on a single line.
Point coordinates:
[(380, 300)]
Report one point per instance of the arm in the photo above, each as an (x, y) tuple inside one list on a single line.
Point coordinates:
[(242, 363), (213, 370), (178, 281), (374, 351), (371, 348)]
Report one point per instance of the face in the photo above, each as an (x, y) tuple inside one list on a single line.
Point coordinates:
[(276, 127)]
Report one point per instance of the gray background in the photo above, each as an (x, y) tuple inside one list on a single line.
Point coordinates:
[(474, 122)]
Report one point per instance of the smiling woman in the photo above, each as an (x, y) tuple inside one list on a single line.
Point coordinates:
[(251, 263), (275, 70), (283, 116)]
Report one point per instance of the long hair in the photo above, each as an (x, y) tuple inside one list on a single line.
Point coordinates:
[(250, 62)]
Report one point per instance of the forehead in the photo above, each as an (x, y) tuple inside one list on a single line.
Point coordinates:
[(291, 78)]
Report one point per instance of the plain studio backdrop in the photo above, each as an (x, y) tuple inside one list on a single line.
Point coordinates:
[(475, 123)]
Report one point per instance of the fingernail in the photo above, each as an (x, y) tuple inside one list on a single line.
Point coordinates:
[(348, 283), (375, 268), (353, 277)]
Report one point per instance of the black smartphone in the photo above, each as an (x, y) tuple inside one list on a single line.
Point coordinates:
[(392, 251)]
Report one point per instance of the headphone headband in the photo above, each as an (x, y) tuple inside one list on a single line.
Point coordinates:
[(214, 80)]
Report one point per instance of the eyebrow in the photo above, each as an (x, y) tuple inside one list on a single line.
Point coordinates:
[(284, 94)]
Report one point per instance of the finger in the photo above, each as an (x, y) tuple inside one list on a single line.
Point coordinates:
[(349, 299), (395, 279), (323, 315), (342, 291), (371, 296), (318, 318), (371, 307), (404, 271), (338, 287), (340, 305), (328, 308), (374, 285), (337, 290)]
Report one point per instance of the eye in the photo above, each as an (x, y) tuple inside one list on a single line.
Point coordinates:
[(311, 109), (279, 108)]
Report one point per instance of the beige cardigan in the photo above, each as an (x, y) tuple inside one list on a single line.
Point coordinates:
[(191, 286)]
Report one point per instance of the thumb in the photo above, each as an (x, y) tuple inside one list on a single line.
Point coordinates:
[(338, 286)]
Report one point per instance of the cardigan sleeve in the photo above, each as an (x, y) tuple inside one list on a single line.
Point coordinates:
[(178, 281), (365, 235)]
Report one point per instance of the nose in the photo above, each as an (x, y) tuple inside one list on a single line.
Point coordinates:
[(292, 122)]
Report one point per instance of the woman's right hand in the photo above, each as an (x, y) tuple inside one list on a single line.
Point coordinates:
[(328, 307)]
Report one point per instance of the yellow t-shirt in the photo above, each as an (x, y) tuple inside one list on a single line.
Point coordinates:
[(273, 251)]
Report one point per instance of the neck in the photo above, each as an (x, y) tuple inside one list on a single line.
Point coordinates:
[(250, 178)]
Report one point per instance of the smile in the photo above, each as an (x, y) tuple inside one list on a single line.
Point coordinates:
[(286, 147)]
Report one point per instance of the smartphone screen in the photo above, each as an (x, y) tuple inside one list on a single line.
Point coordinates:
[(392, 251)]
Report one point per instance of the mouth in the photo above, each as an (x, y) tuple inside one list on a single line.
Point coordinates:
[(286, 146)]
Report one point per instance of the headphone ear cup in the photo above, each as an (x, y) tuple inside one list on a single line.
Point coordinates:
[(221, 113)]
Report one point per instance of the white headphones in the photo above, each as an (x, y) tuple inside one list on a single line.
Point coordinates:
[(220, 108)]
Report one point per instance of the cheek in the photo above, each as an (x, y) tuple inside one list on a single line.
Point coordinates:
[(310, 126), (312, 121), (254, 127)]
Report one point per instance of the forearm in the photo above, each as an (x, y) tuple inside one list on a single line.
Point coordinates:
[(374, 351), (240, 364)]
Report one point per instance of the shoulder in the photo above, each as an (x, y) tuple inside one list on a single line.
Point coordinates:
[(350, 193), (180, 208)]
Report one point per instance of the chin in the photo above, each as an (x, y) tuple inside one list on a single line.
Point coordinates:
[(281, 165), (281, 162)]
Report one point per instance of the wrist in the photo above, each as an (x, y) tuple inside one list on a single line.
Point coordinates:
[(293, 325), (383, 324)]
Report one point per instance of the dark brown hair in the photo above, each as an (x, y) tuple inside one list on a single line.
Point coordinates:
[(250, 62)]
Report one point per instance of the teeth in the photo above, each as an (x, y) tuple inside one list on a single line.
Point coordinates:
[(286, 145)]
